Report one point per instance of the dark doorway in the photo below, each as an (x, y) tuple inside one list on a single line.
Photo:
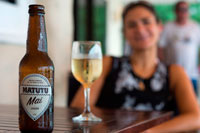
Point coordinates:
[(90, 20)]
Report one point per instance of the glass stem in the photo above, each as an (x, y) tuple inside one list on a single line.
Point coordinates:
[(87, 100)]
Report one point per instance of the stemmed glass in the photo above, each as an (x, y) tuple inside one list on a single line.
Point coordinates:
[(86, 68)]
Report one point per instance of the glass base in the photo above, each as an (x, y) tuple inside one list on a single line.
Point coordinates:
[(86, 117)]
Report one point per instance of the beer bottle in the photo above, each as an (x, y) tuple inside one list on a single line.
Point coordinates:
[(36, 78)]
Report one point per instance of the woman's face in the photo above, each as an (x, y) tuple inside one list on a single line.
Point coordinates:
[(141, 29)]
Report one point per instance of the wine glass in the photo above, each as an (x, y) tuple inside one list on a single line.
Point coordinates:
[(86, 68)]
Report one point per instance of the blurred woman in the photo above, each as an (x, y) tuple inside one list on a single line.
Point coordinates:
[(141, 81)]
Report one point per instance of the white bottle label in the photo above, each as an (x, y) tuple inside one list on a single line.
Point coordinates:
[(35, 95)]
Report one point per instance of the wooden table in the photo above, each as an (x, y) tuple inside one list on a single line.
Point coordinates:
[(122, 121)]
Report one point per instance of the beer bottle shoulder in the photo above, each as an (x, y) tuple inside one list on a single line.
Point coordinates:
[(36, 61)]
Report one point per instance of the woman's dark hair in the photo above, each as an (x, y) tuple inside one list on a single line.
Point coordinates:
[(144, 4)]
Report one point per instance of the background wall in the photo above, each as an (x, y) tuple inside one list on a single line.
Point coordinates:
[(114, 37), (59, 34)]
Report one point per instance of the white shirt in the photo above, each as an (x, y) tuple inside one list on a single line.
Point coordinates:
[(181, 45)]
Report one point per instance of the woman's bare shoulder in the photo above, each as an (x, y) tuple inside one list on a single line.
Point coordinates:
[(107, 58), (107, 64), (177, 75), (176, 69)]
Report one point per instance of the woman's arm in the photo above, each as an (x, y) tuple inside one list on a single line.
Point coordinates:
[(78, 100), (189, 117)]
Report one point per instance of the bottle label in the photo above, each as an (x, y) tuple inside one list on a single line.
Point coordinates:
[(35, 95)]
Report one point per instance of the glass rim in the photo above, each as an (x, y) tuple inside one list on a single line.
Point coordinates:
[(88, 42)]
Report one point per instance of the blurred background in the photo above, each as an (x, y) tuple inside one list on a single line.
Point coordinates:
[(66, 20)]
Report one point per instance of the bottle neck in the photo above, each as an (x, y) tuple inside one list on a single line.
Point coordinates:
[(37, 39)]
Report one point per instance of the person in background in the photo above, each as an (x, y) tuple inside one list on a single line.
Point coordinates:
[(142, 82), (180, 42)]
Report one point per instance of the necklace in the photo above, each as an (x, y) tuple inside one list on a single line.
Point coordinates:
[(141, 85)]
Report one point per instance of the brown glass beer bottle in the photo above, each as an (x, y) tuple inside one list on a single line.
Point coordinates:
[(36, 78)]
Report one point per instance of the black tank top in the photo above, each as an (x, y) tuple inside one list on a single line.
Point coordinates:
[(124, 89)]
